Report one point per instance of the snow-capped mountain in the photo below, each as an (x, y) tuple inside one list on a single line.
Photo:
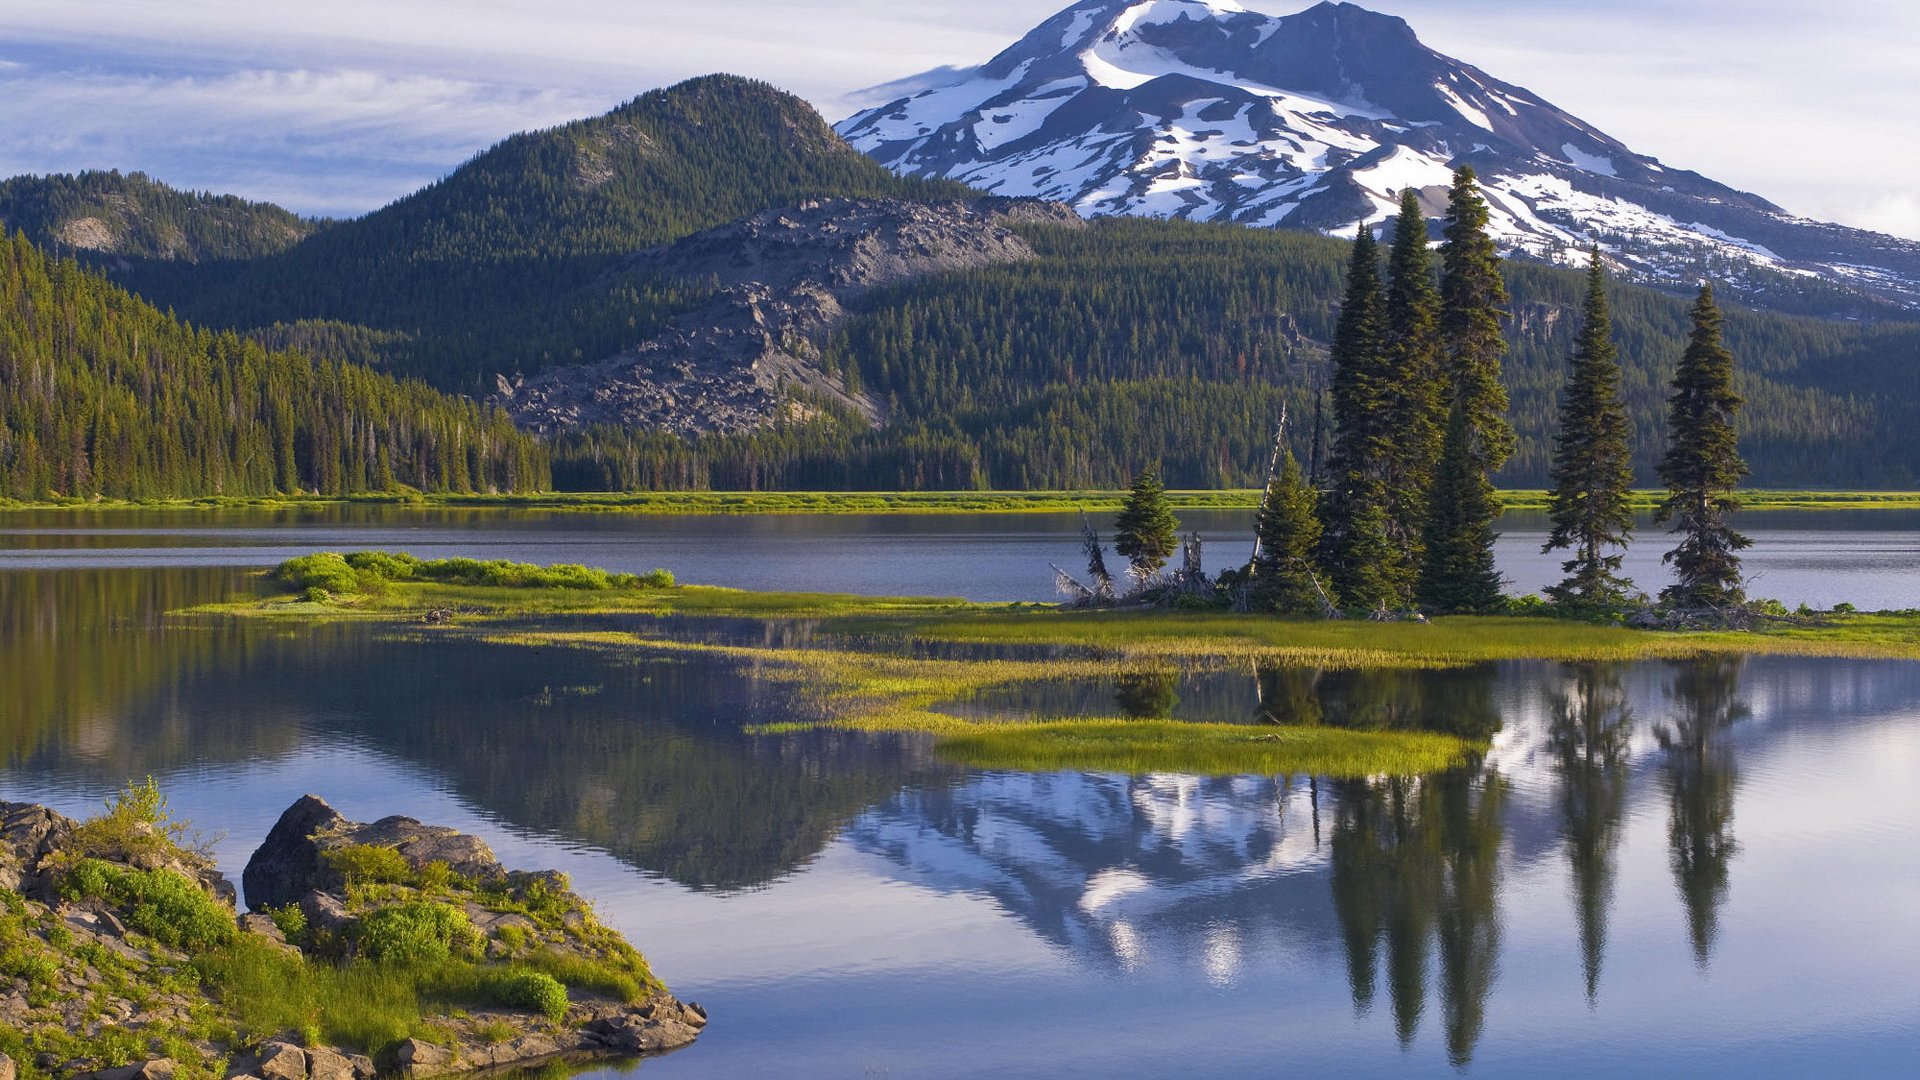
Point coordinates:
[(1202, 109)]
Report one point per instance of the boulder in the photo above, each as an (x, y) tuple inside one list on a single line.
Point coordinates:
[(28, 834), (326, 1063), (8, 1070), (286, 865), (418, 1058), (291, 863), (281, 1061)]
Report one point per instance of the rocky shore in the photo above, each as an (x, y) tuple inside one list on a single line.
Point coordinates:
[(122, 955)]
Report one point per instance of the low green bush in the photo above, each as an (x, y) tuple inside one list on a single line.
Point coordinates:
[(327, 573), (161, 904), (291, 921), (418, 933), (369, 864), (534, 990)]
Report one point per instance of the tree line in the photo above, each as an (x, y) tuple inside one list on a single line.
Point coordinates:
[(1401, 516), (102, 395)]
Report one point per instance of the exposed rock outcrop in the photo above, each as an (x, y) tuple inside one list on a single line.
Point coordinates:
[(291, 863), (785, 279), (79, 974), (28, 834)]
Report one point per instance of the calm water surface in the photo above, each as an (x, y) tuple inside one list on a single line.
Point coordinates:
[(1661, 869), (1870, 558)]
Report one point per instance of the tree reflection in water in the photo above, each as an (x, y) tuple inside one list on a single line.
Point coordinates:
[(1147, 695), (1415, 860), (1699, 776), (1588, 738)]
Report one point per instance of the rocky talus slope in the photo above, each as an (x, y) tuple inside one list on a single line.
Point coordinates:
[(111, 954), (783, 279)]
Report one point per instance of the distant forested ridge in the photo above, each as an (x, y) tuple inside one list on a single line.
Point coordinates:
[(101, 394), (513, 263), (129, 218)]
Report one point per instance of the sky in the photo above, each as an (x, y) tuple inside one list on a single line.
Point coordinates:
[(340, 106)]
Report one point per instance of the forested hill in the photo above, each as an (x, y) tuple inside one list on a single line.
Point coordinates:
[(123, 219), (510, 264), (1136, 341), (101, 394), (1118, 344)]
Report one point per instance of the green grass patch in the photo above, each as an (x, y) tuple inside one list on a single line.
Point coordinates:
[(1147, 746), (365, 1004), (169, 908)]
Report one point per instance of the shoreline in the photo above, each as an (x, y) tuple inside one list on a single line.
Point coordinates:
[(723, 503)]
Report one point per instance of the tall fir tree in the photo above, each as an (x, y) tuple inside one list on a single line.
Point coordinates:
[(1289, 532), (1415, 412), (1458, 572), (1592, 463), (1702, 469), (1354, 545), (1145, 532)]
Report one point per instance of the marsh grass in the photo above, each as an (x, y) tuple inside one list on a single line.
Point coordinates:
[(1143, 746), (882, 691)]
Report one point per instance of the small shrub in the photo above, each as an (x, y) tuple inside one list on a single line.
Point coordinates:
[(39, 969), (388, 566), (435, 875), (291, 921), (655, 579), (513, 937), (324, 570), (531, 990), (369, 864), (314, 594), (165, 906), (417, 933), (136, 822)]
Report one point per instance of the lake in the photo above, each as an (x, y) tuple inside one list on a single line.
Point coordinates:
[(1870, 558), (1660, 869)]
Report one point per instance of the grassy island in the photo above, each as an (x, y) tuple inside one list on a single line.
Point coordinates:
[(897, 663)]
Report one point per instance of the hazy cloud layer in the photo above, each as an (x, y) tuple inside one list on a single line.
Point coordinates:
[(339, 107)]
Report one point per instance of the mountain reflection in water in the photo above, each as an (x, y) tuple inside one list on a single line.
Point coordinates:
[(1407, 887)]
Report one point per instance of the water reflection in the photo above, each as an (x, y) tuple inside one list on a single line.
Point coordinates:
[(1415, 872), (1261, 890), (1698, 773), (1589, 741)]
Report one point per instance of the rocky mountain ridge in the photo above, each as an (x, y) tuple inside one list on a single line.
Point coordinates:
[(782, 279), (1203, 109)]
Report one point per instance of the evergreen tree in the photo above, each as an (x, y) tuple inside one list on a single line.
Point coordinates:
[(1457, 573), (1355, 549), (1702, 469), (1415, 412), (1145, 530), (1592, 463), (1289, 543)]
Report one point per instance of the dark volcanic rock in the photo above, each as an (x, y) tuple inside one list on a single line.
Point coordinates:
[(289, 865), (785, 279)]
